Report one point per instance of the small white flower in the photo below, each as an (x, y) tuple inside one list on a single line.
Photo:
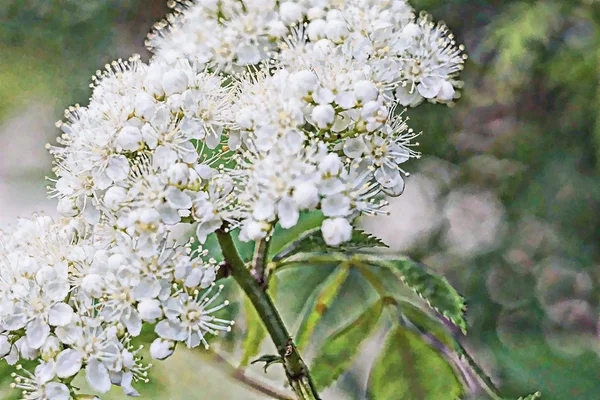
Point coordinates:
[(189, 318)]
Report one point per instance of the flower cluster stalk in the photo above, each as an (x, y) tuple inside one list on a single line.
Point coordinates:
[(296, 370)]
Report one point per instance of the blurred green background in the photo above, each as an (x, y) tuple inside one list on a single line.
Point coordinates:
[(505, 201)]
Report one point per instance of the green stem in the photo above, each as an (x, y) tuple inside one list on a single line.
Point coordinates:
[(259, 262), (296, 370)]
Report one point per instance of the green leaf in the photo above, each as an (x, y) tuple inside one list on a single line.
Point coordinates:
[(361, 238), (437, 292), (434, 289), (338, 351), (268, 359), (312, 240), (408, 369), (427, 322), (328, 291), (255, 329)]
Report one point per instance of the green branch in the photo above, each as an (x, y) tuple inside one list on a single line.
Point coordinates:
[(296, 370), (259, 261)]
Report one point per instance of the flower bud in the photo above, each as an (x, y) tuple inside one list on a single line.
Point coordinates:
[(337, 30), (317, 29), (306, 195), (179, 174), (290, 12), (323, 115), (336, 231)]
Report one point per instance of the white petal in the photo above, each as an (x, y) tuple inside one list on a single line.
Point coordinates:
[(27, 352), (150, 310), (60, 314), (287, 212), (133, 323), (264, 209), (206, 228), (126, 385), (446, 92), (213, 138), (57, 391), (170, 330), (337, 205), (430, 87), (118, 168), (345, 100), (354, 147), (5, 346), (44, 372), (175, 81), (248, 54), (194, 278), (130, 138), (177, 199), (407, 98), (37, 332), (13, 357), (97, 376), (68, 363), (161, 349), (68, 334)]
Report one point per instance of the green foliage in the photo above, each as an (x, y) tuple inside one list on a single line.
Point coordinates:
[(327, 292), (409, 369), (514, 33), (338, 352), (432, 288)]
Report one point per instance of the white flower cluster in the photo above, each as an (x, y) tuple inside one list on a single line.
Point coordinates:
[(411, 56), (321, 138), (132, 155), (171, 141), (72, 301)]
